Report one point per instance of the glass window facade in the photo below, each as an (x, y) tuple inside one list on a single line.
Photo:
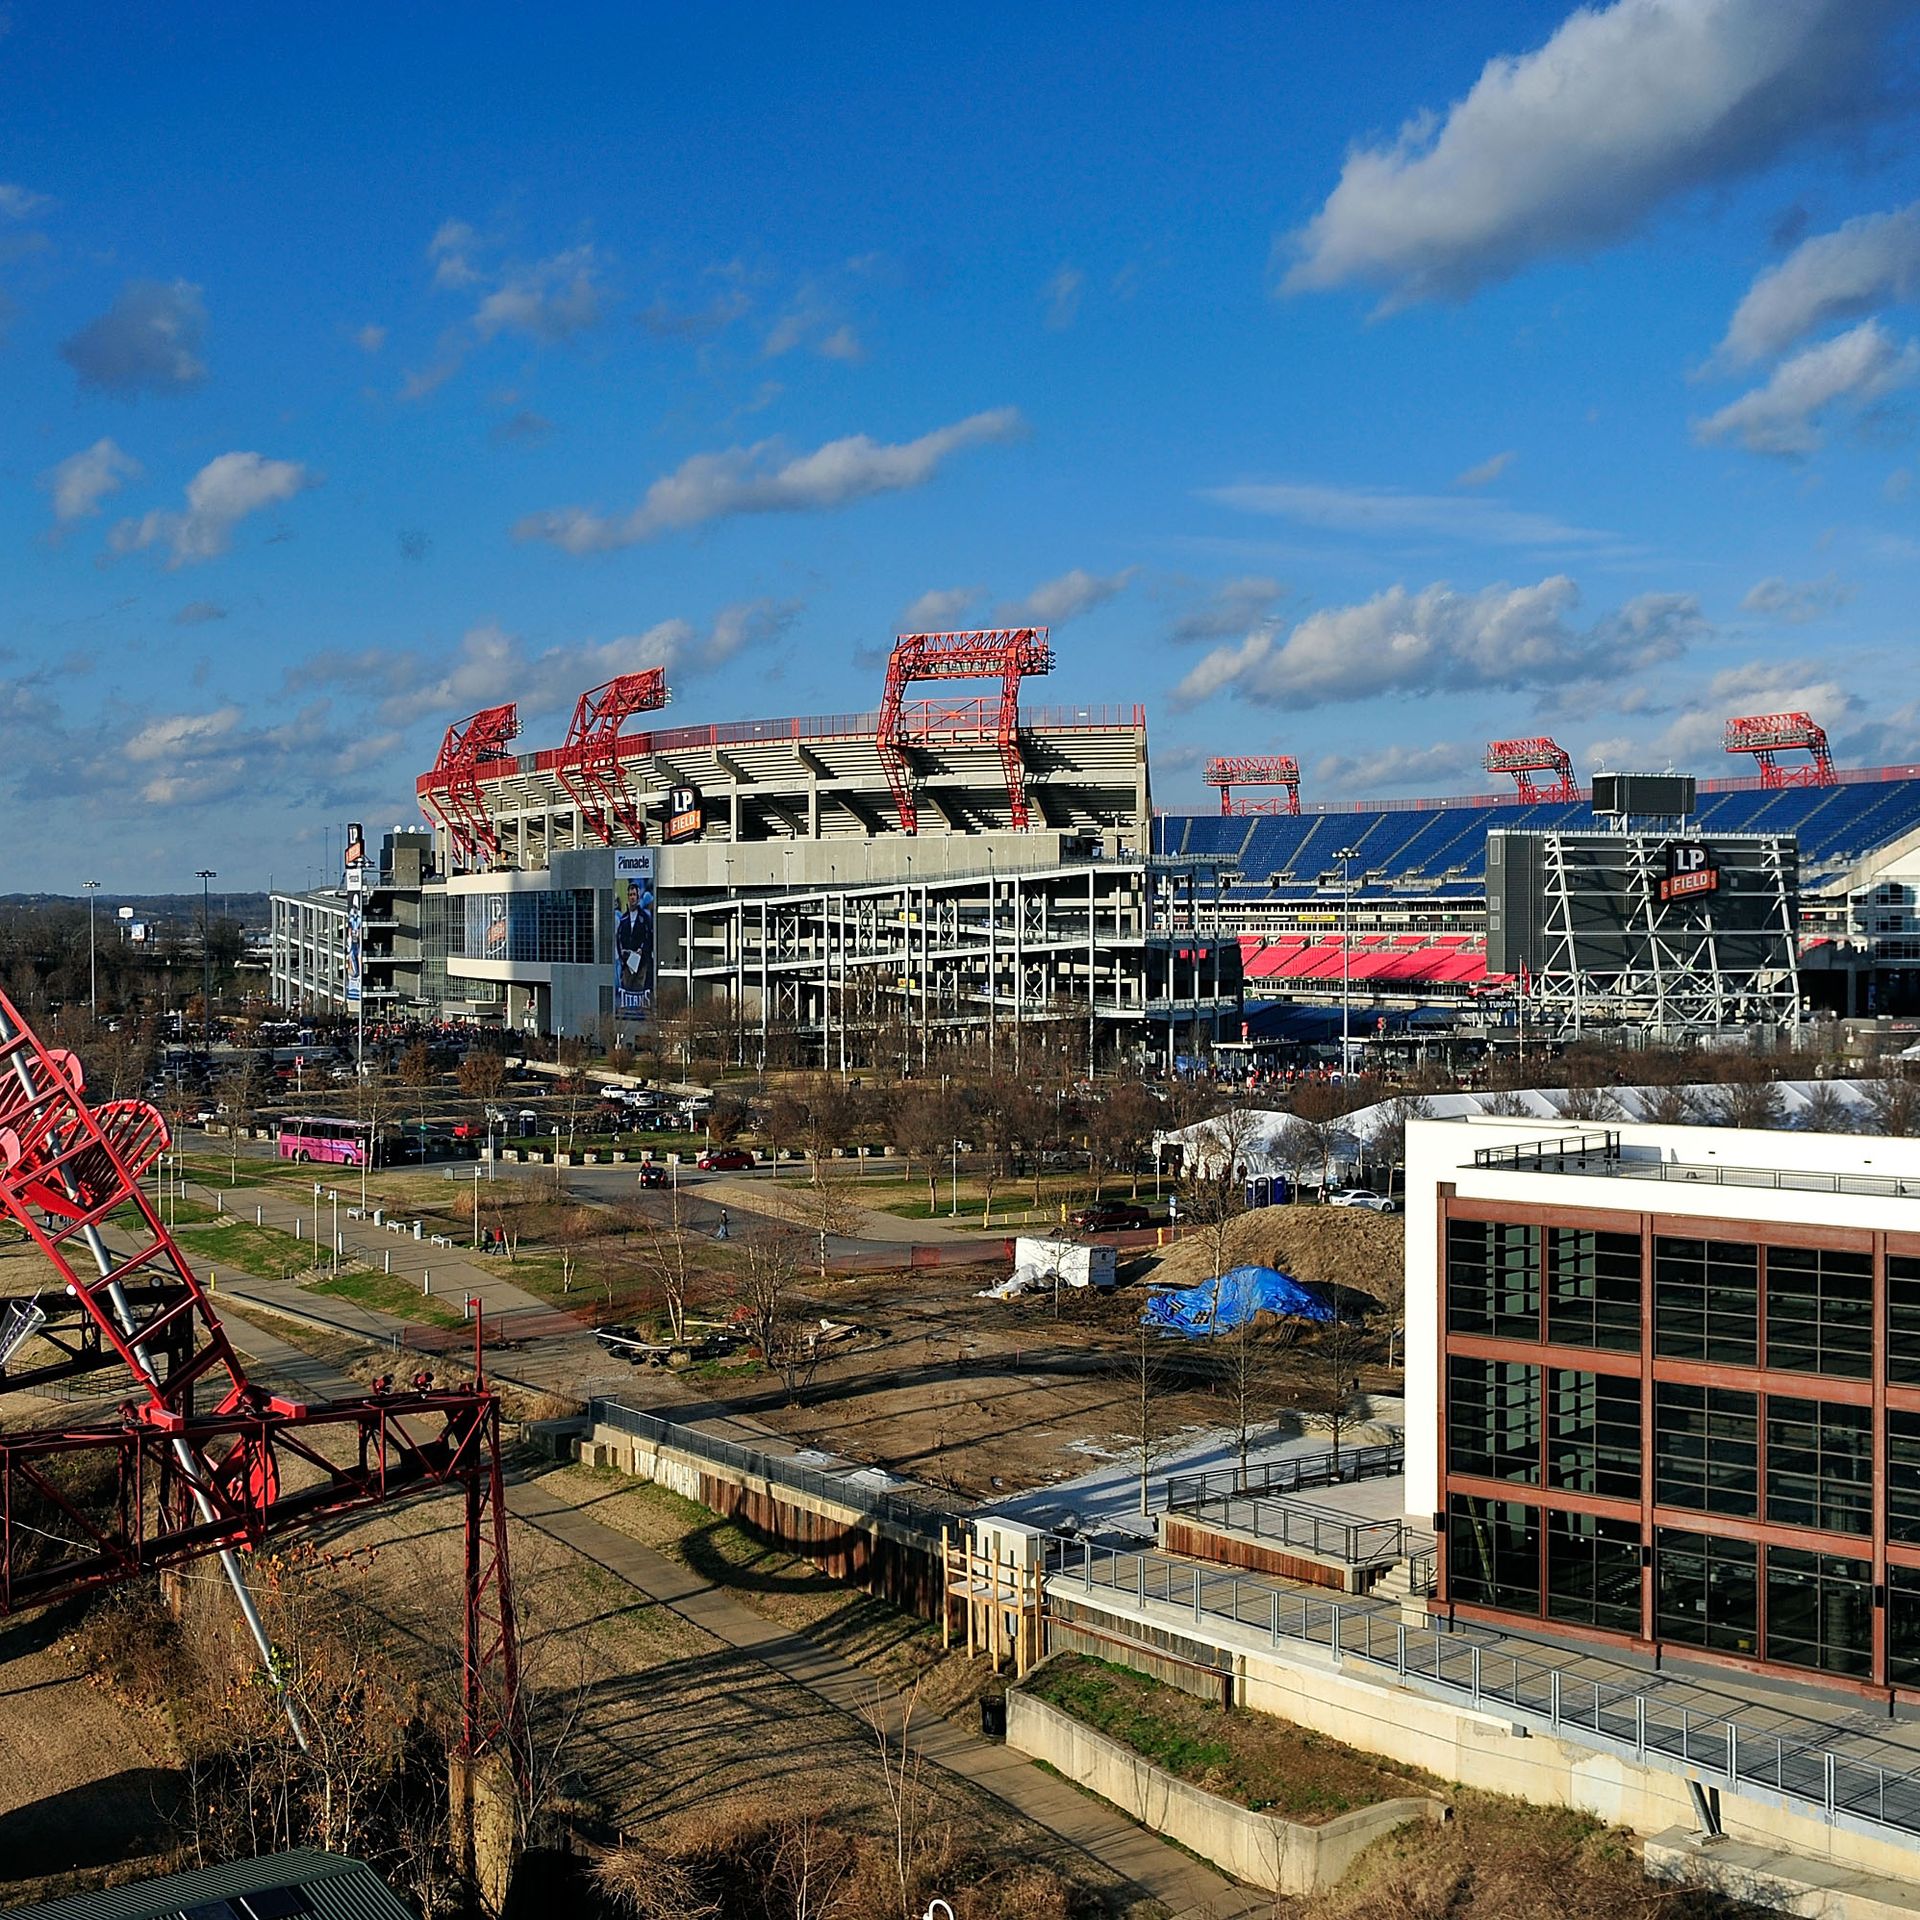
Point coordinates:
[(1493, 1419), (1707, 1591), (1593, 1433), (551, 927), (1493, 1553), (1493, 1279), (1820, 1465), (1593, 1571), (1706, 1301), (1820, 1311), (1593, 1289), (1819, 1611), (1706, 1448), (1679, 1347)]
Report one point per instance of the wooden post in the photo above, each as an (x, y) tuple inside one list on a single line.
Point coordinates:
[(946, 1592)]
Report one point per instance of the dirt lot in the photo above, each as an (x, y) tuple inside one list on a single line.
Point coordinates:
[(986, 1396)]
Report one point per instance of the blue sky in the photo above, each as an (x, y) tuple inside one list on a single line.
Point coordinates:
[(1357, 382)]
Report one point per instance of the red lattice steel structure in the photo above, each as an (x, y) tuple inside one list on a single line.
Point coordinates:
[(1524, 758), (1766, 734), (1007, 654), (1256, 770), (588, 765), (450, 789), (186, 1484)]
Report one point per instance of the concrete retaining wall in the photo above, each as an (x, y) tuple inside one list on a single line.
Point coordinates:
[(1284, 1856), (1481, 1749), (856, 1547)]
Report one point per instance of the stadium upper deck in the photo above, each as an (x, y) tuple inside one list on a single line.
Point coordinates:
[(1437, 849)]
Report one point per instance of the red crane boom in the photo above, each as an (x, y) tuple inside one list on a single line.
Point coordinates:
[(1256, 770), (450, 790), (1524, 758), (589, 762), (188, 1484), (1007, 654), (1766, 734)]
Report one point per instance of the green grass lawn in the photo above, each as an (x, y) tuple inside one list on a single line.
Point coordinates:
[(227, 1240), (1253, 1759), (391, 1293)]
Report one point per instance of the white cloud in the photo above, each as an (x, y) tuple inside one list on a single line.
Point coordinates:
[(174, 733), (1796, 601), (1062, 294), (370, 339), (148, 341), (549, 300), (1442, 767), (939, 609), (1834, 276), (766, 478), (1054, 602), (1693, 739), (20, 203), (1382, 510), (451, 250), (1232, 608), (1441, 640), (1854, 371), (222, 494), (491, 665), (844, 344), (198, 613), (82, 480), (1487, 472), (1571, 147)]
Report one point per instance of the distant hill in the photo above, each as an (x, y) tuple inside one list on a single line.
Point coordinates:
[(156, 909)]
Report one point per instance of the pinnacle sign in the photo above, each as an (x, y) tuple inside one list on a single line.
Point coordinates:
[(1690, 870)]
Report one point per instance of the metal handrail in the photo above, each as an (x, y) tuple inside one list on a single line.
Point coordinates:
[(915, 1517), (1790, 1756), (1291, 1474), (1294, 1523)]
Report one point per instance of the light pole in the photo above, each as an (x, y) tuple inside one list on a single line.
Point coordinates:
[(1345, 855), (556, 1158), (333, 1194), (93, 976), (206, 963), (956, 1179)]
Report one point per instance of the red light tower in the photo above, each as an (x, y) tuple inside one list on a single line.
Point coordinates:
[(1523, 758), (1256, 770), (450, 790), (589, 762), (1007, 654), (1766, 734)]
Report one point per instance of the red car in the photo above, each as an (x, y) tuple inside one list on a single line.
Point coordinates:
[(1111, 1216), (725, 1159), (652, 1176)]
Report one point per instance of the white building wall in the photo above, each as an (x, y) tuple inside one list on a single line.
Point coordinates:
[(1440, 1152)]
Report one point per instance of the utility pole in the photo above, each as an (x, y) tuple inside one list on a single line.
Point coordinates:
[(93, 974), (206, 962)]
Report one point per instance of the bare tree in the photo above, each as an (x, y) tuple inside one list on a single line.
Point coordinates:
[(417, 1075), (1672, 1106), (575, 1230), (666, 1258), (1334, 1361), (1893, 1107), (825, 1207), (1587, 1103), (1747, 1103), (1827, 1111), (1508, 1103), (241, 1091), (1144, 1373), (901, 1784), (1388, 1140), (770, 1268), (483, 1074)]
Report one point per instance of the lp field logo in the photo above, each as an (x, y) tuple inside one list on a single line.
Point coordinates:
[(1690, 870)]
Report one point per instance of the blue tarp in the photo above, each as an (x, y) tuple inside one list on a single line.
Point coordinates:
[(1218, 1306)]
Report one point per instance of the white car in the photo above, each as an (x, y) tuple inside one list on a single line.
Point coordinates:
[(1363, 1197)]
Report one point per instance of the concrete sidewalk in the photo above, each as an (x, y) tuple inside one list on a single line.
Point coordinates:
[(1081, 1824)]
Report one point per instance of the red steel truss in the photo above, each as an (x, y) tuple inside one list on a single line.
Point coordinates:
[(179, 1483), (450, 789), (588, 765), (1008, 654), (1523, 758), (1766, 734), (1256, 770)]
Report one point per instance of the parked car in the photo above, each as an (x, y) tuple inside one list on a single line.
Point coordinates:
[(653, 1177), (1363, 1197), (725, 1159), (1111, 1216)]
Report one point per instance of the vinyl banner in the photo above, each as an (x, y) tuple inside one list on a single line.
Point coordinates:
[(354, 877), (632, 932)]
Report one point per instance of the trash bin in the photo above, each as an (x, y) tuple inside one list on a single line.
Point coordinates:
[(993, 1716)]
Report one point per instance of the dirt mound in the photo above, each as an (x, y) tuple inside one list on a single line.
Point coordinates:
[(1328, 1246)]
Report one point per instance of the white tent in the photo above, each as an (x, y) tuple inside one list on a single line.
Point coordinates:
[(1254, 1134)]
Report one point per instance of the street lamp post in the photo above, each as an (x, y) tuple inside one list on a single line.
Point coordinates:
[(93, 976), (1346, 855), (206, 962), (956, 1179)]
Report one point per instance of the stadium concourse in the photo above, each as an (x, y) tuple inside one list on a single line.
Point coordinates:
[(1403, 928)]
